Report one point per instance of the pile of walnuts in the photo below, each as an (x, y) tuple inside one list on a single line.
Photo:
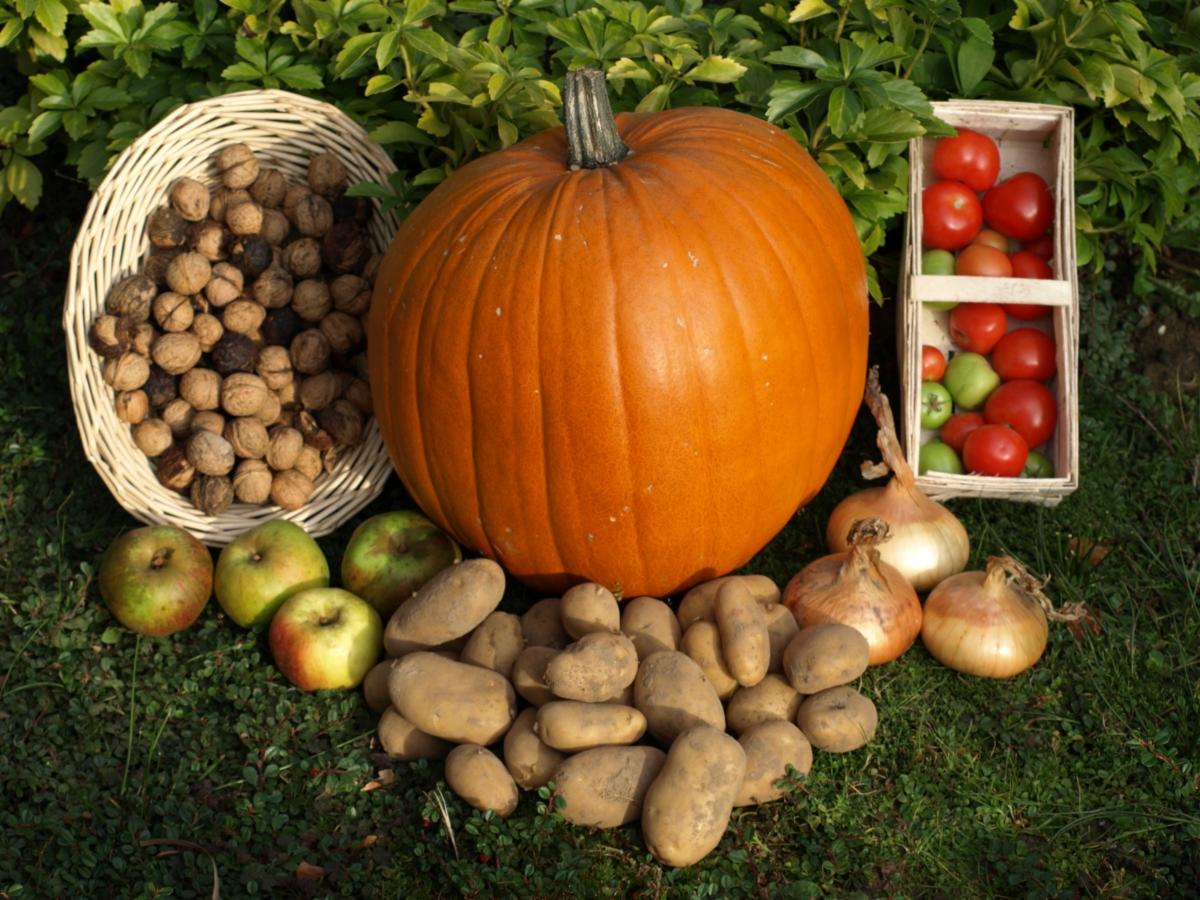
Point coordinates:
[(237, 353)]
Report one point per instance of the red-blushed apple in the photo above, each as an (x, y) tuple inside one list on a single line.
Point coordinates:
[(262, 567), (392, 554), (156, 580), (325, 638)]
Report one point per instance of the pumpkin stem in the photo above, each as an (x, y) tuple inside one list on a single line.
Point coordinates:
[(592, 138)]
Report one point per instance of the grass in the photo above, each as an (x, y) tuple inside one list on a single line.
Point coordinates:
[(171, 767)]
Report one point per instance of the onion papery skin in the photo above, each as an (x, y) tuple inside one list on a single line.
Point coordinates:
[(875, 599), (983, 627)]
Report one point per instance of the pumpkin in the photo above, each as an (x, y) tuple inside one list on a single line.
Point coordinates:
[(622, 351)]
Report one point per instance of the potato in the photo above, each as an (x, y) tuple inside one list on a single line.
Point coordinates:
[(838, 719), (769, 700), (571, 726), (697, 603), (651, 625), (672, 693), (688, 805), (402, 740), (495, 644), (624, 696), (476, 774), (770, 748), (589, 607), (745, 641), (451, 604), (529, 674), (604, 787), (824, 656), (542, 625), (375, 686), (529, 760), (594, 668), (781, 627), (702, 642), (452, 700)]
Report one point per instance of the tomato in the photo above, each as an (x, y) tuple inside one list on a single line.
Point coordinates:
[(952, 215), (933, 363), (937, 457), (969, 157), (980, 259), (1026, 264), (1043, 247), (936, 405), (976, 327), (995, 450), (1027, 406), (1026, 312), (958, 426), (1025, 353), (969, 379), (1020, 207), (1037, 465), (991, 238)]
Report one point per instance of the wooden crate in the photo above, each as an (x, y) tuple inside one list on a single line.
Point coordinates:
[(1031, 137)]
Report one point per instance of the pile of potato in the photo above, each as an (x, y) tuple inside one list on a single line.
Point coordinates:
[(633, 711)]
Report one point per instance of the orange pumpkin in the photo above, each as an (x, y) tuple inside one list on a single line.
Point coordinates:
[(632, 370)]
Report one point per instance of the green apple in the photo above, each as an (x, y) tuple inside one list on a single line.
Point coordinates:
[(970, 378), (156, 580), (938, 262), (324, 638), (261, 568), (938, 457), (392, 554)]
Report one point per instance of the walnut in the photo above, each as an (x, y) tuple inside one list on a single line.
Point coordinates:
[(284, 447), (152, 436), (174, 469), (126, 372), (166, 228), (287, 395), (212, 494), (253, 255), (370, 269), (302, 257), (274, 366), (358, 392), (234, 352), (243, 394), (314, 435), (176, 352), (327, 175), (310, 352), (308, 462), (275, 227), (351, 294), (360, 367), (237, 165), (190, 199), (291, 199), (208, 330), (178, 414), (271, 411), (291, 489), (132, 297), (110, 336), (344, 332), (201, 388), (132, 406), (244, 219), (345, 247), (225, 199), (224, 285), (343, 421), (173, 312), (352, 209), (208, 420), (208, 239), (248, 437), (243, 316), (188, 273), (160, 387), (210, 453), (317, 391), (313, 215), (311, 300), (273, 288), (269, 187), (143, 338), (252, 481), (281, 325), (156, 264)]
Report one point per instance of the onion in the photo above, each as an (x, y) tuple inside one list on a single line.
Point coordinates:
[(859, 589), (928, 543)]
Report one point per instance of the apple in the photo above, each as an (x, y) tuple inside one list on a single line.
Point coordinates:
[(938, 262), (262, 567), (156, 580), (392, 554), (325, 638), (969, 378)]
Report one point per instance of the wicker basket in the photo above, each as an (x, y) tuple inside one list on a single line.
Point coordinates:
[(284, 129)]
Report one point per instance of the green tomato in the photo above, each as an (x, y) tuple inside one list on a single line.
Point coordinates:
[(970, 378), (1038, 465), (938, 262), (938, 457), (936, 405)]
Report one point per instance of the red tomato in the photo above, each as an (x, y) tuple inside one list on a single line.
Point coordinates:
[(1027, 406), (1024, 353), (1026, 264), (992, 238), (1043, 247), (995, 450), (976, 327), (958, 426), (952, 215), (933, 363), (1020, 207), (1026, 312), (969, 157), (980, 259)]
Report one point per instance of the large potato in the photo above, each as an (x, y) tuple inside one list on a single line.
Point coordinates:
[(448, 606), (530, 762), (825, 656), (402, 740), (604, 787), (651, 625), (375, 686), (542, 625), (838, 720), (589, 607), (495, 644), (771, 699), (688, 805), (674, 695), (770, 748), (782, 627), (702, 642), (452, 700), (697, 603), (529, 674), (745, 640), (476, 774), (594, 668), (571, 726)]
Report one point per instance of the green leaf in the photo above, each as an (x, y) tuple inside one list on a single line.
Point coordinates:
[(428, 42), (24, 179), (507, 130), (399, 133), (978, 29), (429, 176), (388, 47), (906, 95), (625, 69), (717, 69), (301, 77), (381, 84), (45, 125), (974, 62), (444, 92), (800, 57), (419, 10), (885, 125), (430, 123), (657, 99), (51, 83), (107, 30), (844, 110), (787, 98), (53, 45), (809, 9), (108, 98), (241, 72), (52, 15), (138, 59), (111, 635), (11, 31)]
